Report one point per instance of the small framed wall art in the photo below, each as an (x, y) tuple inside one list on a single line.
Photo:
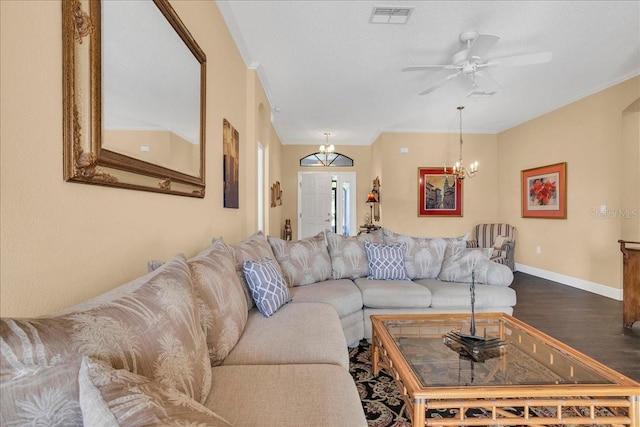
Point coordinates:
[(439, 194), (544, 192)]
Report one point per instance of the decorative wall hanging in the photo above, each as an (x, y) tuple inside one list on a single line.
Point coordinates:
[(276, 194), (107, 113), (439, 194), (231, 164), (544, 192)]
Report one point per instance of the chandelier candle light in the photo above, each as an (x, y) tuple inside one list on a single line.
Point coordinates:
[(459, 171), (327, 149)]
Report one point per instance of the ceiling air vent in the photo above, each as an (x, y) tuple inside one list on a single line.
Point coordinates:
[(390, 15)]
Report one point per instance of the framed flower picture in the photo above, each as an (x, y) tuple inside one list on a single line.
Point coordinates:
[(544, 192), (439, 194)]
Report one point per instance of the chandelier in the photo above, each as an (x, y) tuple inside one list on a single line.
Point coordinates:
[(326, 149), (459, 171)]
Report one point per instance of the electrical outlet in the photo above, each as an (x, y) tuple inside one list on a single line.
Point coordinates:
[(538, 249)]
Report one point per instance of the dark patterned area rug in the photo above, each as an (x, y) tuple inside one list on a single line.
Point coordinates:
[(383, 405)]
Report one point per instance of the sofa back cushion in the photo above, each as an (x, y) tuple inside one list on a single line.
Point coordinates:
[(149, 326), (423, 255), (460, 263), (348, 255), (253, 248), (302, 261), (221, 299)]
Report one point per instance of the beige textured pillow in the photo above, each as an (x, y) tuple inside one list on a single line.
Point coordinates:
[(302, 261), (253, 248), (149, 326), (348, 255), (424, 255), (460, 263), (112, 397), (222, 304)]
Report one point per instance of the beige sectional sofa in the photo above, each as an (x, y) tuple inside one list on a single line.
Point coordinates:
[(231, 337)]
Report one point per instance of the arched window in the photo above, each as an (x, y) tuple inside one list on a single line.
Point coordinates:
[(323, 160)]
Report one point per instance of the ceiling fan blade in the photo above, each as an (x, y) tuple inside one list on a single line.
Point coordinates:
[(484, 81), (423, 67), (481, 46), (517, 60), (440, 83)]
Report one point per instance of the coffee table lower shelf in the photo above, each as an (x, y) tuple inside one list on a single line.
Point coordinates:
[(509, 405)]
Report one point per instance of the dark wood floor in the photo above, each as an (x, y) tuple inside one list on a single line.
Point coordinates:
[(586, 321)]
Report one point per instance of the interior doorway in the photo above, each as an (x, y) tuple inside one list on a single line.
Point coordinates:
[(326, 201)]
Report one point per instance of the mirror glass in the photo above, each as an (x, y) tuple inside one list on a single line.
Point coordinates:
[(135, 77)]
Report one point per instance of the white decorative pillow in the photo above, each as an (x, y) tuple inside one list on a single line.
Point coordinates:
[(460, 264), (267, 285), (113, 397), (348, 255), (302, 261), (386, 262)]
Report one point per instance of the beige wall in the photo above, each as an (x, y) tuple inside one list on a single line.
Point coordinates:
[(399, 179), (588, 135), (62, 242), (290, 166)]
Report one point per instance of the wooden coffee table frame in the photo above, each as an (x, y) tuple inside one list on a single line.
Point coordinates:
[(622, 398)]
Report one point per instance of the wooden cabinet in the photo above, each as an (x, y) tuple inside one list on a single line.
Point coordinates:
[(631, 283)]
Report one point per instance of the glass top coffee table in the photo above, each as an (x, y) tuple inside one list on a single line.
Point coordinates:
[(532, 379)]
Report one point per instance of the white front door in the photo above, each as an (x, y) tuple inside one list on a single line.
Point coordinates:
[(314, 203), (321, 207)]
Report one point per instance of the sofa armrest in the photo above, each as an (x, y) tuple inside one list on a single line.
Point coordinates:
[(472, 243)]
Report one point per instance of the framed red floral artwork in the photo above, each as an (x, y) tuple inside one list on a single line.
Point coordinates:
[(439, 194), (544, 192)]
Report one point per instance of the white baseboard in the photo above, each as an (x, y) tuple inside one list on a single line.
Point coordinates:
[(585, 285)]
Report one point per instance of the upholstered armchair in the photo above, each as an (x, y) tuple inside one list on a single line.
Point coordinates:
[(500, 237)]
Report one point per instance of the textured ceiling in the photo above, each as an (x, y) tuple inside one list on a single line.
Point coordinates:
[(325, 68)]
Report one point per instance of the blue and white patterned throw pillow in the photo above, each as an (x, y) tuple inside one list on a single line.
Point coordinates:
[(268, 289), (386, 262)]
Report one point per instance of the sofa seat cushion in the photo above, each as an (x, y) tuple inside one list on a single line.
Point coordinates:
[(313, 395), (297, 333), (393, 293), (342, 294), (457, 295)]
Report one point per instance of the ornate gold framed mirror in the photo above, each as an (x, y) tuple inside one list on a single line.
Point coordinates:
[(134, 97)]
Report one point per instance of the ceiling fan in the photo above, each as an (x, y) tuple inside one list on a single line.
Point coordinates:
[(473, 62)]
